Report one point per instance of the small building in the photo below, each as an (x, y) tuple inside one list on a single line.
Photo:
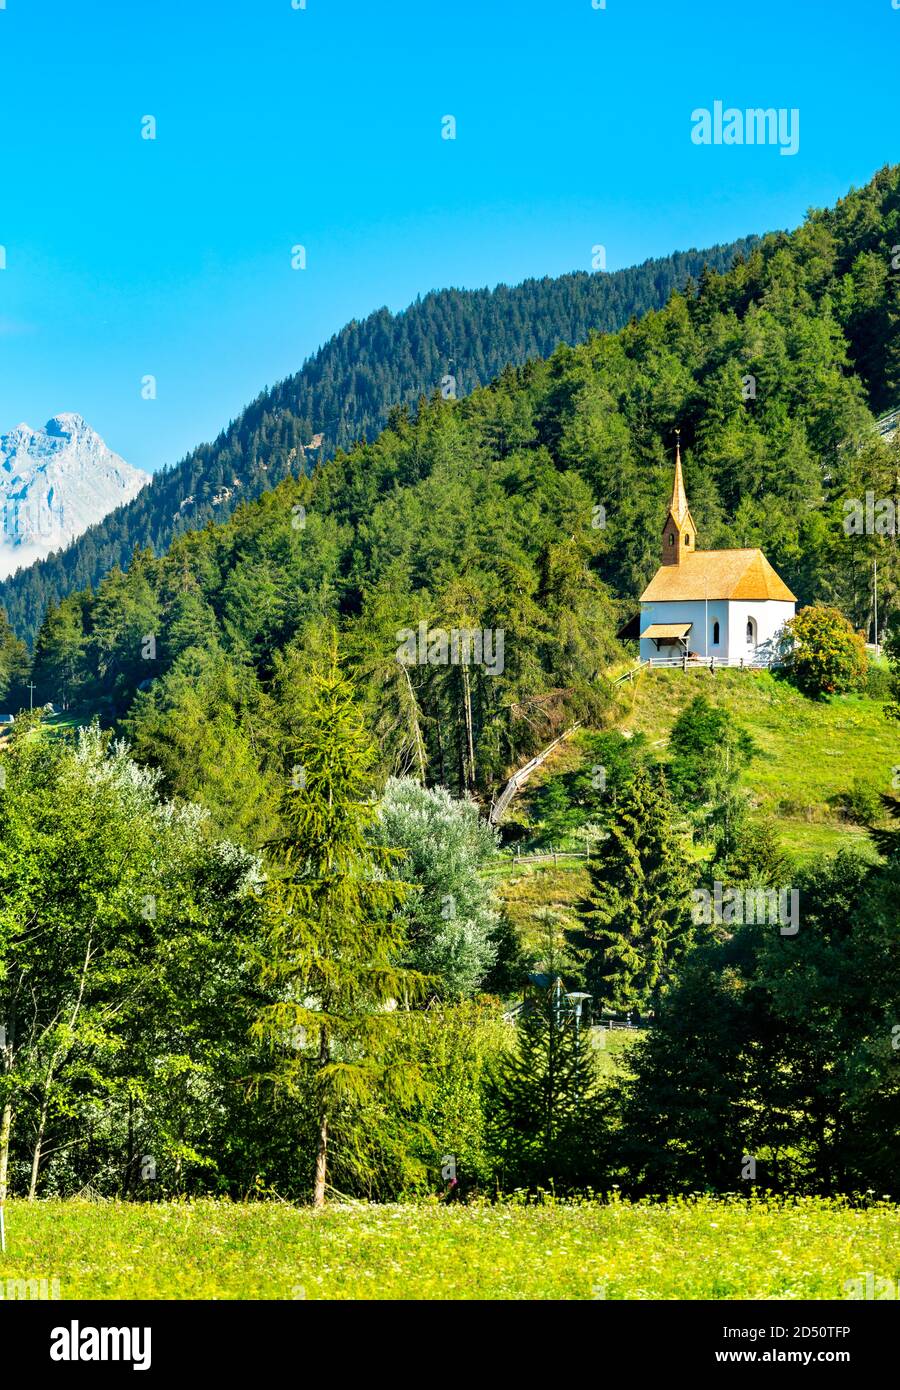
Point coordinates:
[(727, 605), (538, 982), (540, 986)]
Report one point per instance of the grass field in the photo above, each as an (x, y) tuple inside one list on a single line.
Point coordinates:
[(612, 1046), (809, 750), (698, 1249), (527, 887)]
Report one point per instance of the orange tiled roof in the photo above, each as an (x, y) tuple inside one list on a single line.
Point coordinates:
[(715, 574)]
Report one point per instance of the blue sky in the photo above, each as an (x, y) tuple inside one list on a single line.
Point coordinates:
[(128, 257)]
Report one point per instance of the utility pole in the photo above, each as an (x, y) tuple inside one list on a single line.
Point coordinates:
[(706, 614), (576, 999), (31, 689)]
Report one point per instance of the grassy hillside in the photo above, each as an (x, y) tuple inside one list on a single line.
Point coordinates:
[(809, 753), (791, 1250), (528, 886)]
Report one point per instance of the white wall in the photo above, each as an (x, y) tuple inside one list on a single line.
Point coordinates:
[(687, 611), (770, 616)]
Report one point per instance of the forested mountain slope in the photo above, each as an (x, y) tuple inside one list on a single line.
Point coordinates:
[(483, 513), (344, 393)]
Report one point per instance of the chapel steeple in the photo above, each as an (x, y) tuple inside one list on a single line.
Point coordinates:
[(679, 532)]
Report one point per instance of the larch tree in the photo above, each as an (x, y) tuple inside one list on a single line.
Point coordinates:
[(334, 942)]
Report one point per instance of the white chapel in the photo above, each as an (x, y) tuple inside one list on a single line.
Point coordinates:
[(724, 604)]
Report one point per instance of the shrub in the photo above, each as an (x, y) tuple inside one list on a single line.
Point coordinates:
[(879, 683), (824, 655), (861, 803), (451, 917)]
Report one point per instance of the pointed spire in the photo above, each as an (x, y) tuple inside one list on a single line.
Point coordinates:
[(678, 506)]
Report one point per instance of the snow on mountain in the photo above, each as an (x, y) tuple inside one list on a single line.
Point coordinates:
[(54, 484)]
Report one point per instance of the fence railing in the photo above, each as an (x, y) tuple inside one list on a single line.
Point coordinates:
[(520, 777), (518, 857), (700, 663), (713, 663), (589, 1022)]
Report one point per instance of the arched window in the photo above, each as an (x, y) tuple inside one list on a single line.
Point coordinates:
[(671, 538), (751, 632), (715, 634), (687, 540)]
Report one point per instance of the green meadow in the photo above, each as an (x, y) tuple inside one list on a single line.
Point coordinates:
[(810, 751), (701, 1248)]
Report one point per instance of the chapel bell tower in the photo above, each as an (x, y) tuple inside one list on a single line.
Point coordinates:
[(679, 533)]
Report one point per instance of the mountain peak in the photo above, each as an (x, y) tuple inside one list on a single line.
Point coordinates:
[(54, 484), (67, 424), (21, 431)]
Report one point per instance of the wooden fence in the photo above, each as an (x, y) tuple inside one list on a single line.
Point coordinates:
[(712, 663), (611, 1025), (518, 779), (555, 854)]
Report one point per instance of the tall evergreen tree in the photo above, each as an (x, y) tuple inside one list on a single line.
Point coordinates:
[(14, 664), (59, 654), (334, 941), (542, 1097), (637, 920)]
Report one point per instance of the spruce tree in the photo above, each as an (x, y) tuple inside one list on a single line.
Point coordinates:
[(59, 670), (14, 663), (637, 919), (334, 939), (541, 1099)]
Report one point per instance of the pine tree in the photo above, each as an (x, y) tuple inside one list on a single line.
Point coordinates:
[(541, 1100), (14, 663), (59, 653), (334, 940), (638, 917)]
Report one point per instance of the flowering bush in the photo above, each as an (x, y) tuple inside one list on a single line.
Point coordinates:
[(824, 655)]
